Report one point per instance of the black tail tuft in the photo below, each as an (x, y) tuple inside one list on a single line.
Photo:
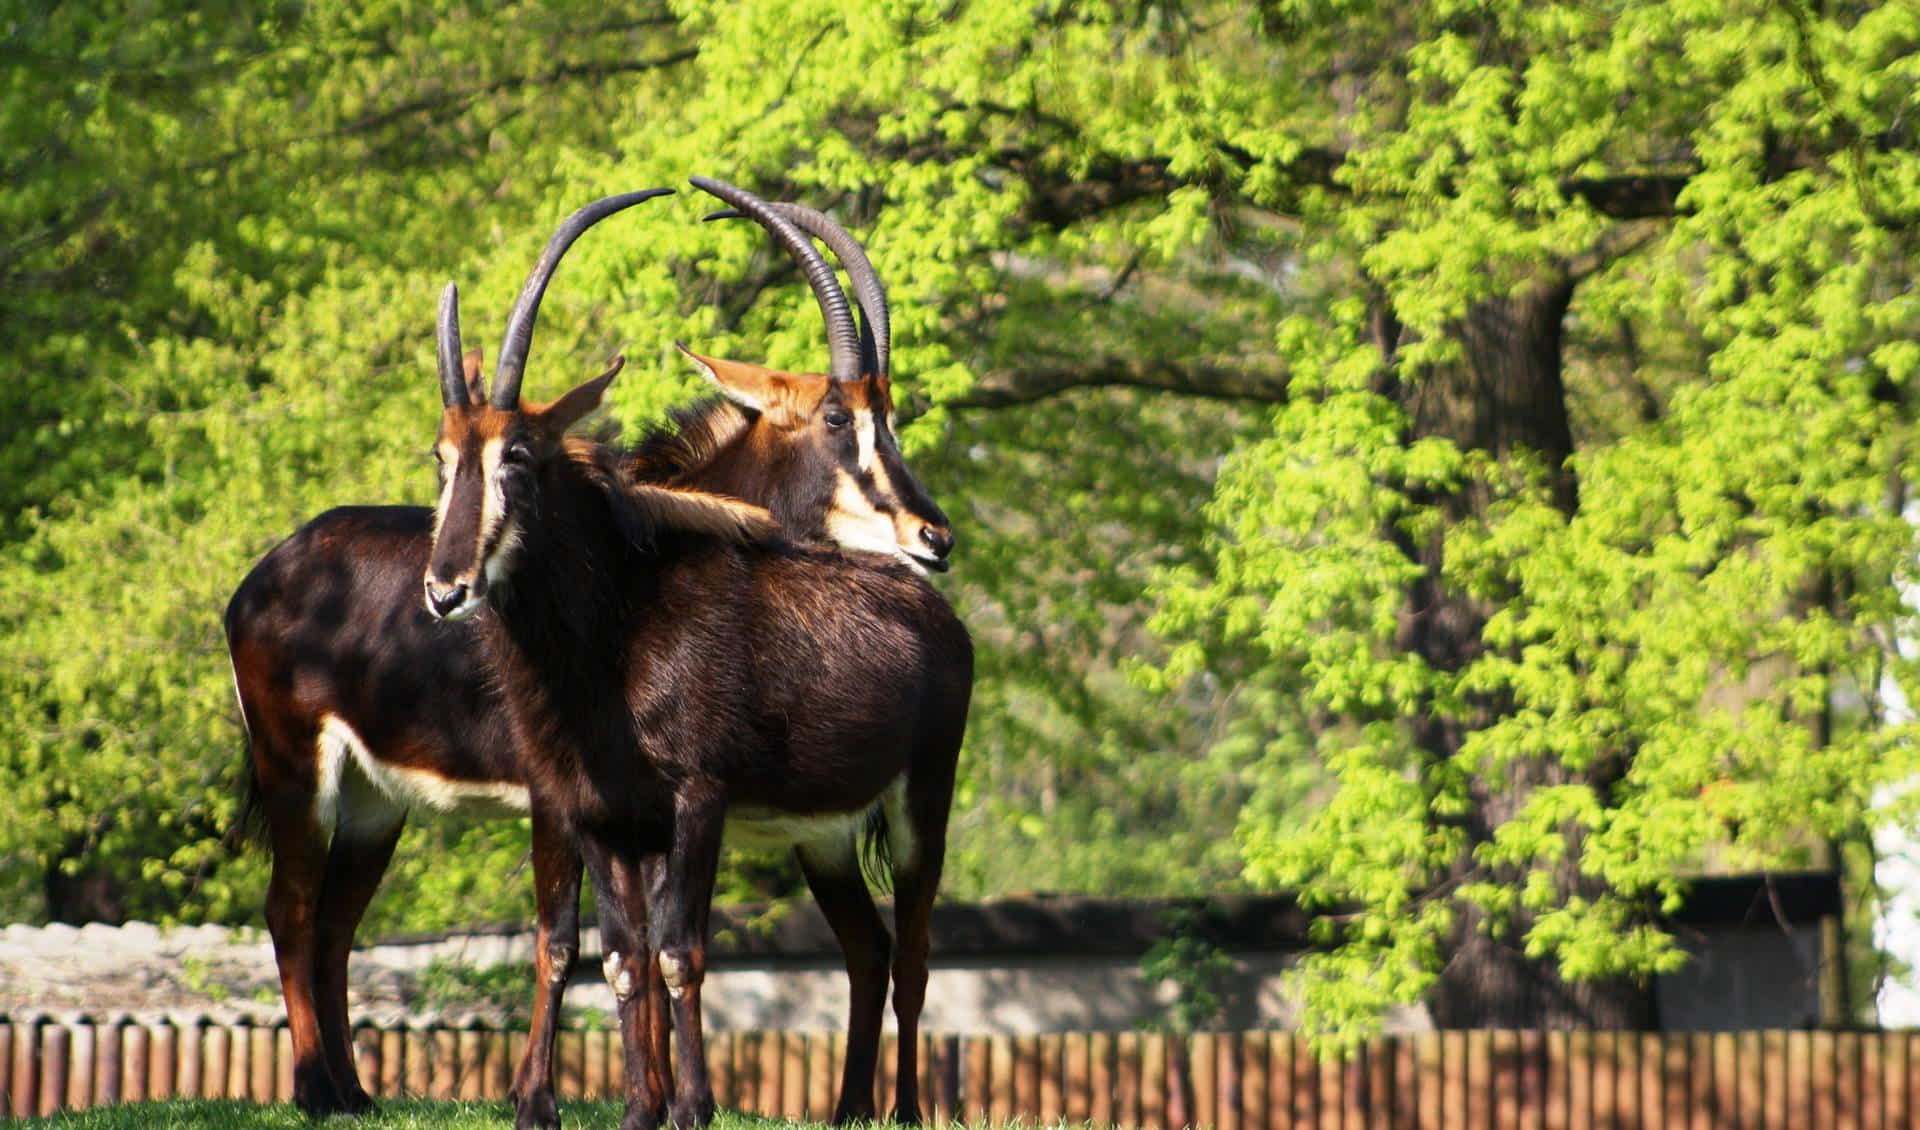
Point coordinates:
[(250, 822), (876, 851)]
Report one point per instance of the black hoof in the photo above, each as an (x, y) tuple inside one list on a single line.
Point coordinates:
[(640, 1118), (319, 1106), (359, 1102), (693, 1115), (537, 1111), (317, 1097)]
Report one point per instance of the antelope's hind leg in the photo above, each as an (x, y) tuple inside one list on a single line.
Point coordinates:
[(917, 847), (299, 817), (833, 875), (356, 862)]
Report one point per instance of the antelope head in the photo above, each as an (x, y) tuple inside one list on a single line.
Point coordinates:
[(844, 417), (495, 453)]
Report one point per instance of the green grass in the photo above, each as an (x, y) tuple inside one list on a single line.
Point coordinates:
[(394, 1114)]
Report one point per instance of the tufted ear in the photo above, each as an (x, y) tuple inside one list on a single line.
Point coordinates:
[(787, 400), (577, 402), (476, 384)]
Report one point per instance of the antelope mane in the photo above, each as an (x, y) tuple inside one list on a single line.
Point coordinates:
[(641, 509), (690, 439)]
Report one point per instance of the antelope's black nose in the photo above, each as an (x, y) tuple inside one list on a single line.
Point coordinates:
[(442, 599), (939, 539)]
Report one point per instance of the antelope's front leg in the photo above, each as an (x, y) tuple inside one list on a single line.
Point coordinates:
[(621, 896), (680, 908), (556, 886)]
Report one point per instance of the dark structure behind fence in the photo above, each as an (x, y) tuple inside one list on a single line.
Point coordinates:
[(1477, 1080)]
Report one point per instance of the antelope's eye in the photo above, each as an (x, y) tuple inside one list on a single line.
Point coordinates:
[(838, 418), (518, 454)]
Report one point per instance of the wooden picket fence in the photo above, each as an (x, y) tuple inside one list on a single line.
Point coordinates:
[(1480, 1080)]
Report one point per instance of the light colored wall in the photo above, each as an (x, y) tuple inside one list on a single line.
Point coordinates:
[(1041, 994), (1739, 978)]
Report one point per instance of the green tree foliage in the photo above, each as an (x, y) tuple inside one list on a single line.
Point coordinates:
[(233, 225), (1501, 411)]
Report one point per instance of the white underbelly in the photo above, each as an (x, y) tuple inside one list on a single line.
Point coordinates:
[(755, 828), (358, 791), (357, 788)]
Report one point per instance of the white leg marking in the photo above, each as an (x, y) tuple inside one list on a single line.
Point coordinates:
[(559, 963), (617, 975), (674, 972)]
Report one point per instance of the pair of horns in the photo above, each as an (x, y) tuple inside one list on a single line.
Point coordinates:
[(518, 340), (853, 351), (873, 341)]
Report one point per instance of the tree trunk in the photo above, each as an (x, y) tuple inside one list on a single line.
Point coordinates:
[(94, 894), (1504, 396)]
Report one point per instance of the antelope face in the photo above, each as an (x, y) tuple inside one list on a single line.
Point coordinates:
[(832, 442), (491, 462), (876, 499), (481, 459), (492, 448)]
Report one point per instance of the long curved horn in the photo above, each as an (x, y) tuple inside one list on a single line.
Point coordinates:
[(453, 381), (876, 343), (843, 340), (519, 336)]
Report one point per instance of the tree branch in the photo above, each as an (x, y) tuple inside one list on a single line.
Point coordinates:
[(562, 73), (1113, 182), (1004, 388), (1629, 197)]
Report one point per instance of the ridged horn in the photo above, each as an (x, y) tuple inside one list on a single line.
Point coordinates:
[(843, 339), (519, 336), (446, 336), (876, 338)]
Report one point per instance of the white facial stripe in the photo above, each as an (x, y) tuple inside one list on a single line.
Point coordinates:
[(863, 421), (449, 462), (493, 500), (853, 522)]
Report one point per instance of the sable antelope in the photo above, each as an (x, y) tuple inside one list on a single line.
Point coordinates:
[(359, 705), (663, 680)]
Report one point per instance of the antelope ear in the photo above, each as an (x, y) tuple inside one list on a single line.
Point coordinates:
[(785, 399), (476, 384), (705, 512), (574, 404)]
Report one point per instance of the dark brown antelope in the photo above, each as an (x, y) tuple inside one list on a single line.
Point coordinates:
[(360, 706), (664, 681)]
